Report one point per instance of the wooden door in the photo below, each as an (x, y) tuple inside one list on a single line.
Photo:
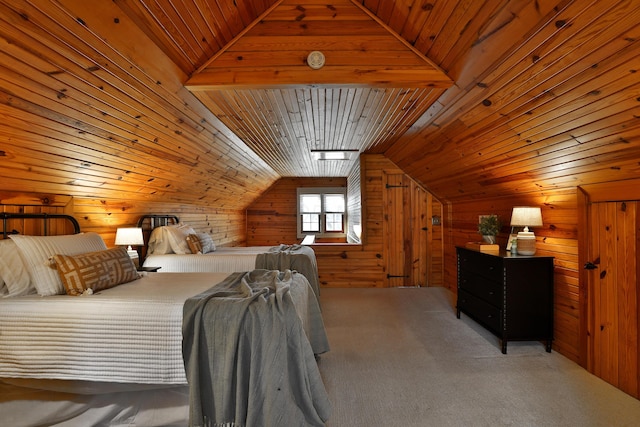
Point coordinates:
[(396, 224), (407, 208), (612, 286), (421, 209)]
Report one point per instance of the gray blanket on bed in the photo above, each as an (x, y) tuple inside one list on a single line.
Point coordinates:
[(247, 357), (292, 257)]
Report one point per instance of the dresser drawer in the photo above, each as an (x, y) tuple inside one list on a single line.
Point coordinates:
[(481, 311), (509, 294), (487, 290), (487, 266)]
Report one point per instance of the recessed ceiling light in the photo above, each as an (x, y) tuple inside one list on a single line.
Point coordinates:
[(334, 154)]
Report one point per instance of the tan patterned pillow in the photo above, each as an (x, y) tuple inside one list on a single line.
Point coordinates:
[(95, 270), (194, 244)]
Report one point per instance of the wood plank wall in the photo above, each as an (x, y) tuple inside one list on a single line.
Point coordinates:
[(103, 216), (558, 237), (227, 227), (11, 202), (271, 220)]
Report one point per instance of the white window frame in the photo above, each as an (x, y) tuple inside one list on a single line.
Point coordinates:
[(322, 191)]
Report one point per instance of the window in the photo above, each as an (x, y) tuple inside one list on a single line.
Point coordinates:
[(322, 212)]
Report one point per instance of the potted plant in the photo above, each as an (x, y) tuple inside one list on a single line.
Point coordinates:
[(489, 227)]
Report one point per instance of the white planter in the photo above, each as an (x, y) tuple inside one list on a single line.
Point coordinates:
[(489, 239)]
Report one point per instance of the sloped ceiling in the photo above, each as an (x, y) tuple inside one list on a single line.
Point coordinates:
[(371, 88), (545, 94), (93, 101)]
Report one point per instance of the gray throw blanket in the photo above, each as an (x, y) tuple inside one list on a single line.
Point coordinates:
[(292, 257), (247, 358)]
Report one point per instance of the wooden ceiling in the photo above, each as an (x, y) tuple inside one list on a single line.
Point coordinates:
[(94, 100), (372, 87)]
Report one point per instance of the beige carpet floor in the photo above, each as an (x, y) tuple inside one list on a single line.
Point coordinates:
[(400, 357)]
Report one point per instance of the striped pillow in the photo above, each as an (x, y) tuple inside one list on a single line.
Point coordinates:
[(36, 251), (95, 270)]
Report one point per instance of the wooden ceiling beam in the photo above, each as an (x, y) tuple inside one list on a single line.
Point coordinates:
[(333, 77)]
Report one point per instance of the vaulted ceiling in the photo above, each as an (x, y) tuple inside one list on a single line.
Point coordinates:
[(372, 87), (209, 102)]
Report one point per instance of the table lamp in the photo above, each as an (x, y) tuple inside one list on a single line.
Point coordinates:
[(130, 236), (525, 216)]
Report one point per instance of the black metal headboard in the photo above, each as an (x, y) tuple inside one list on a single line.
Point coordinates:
[(148, 223), (45, 217), (157, 221)]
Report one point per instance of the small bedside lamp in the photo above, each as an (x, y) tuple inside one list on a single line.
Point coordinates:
[(130, 236), (524, 216)]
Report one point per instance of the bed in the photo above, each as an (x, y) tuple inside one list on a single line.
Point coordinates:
[(159, 349), (168, 247)]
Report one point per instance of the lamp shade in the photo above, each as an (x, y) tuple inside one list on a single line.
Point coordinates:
[(129, 236), (525, 216)]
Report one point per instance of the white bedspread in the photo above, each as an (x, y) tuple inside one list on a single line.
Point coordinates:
[(131, 333), (230, 259), (128, 334)]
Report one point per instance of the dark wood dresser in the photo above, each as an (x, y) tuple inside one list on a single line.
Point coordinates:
[(510, 295)]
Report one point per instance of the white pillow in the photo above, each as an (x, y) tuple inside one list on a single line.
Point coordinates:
[(36, 251), (14, 277), (177, 237), (158, 243)]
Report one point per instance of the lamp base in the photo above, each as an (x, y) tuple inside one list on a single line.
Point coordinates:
[(526, 243), (133, 254)]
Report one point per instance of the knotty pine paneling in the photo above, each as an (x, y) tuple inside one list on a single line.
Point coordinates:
[(36, 203), (544, 98), (227, 227), (271, 220), (359, 50), (217, 23), (287, 123), (553, 111), (558, 237), (88, 113)]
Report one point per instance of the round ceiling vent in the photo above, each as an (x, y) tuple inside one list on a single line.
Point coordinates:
[(315, 59)]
